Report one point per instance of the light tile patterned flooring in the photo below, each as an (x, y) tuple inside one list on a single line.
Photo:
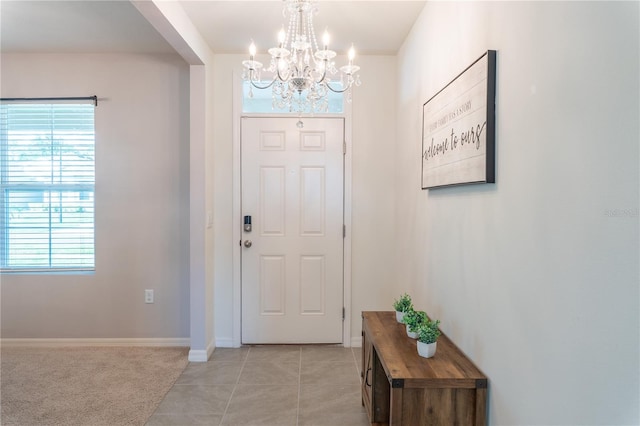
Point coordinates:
[(268, 385)]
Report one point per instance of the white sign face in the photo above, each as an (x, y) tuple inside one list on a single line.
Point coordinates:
[(455, 124)]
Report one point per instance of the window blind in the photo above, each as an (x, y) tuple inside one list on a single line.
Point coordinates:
[(47, 182)]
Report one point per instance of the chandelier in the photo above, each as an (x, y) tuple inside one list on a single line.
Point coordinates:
[(300, 73)]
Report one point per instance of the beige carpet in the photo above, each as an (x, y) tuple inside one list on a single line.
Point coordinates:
[(86, 386)]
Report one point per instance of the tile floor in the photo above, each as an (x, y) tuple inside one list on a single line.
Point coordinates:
[(268, 385)]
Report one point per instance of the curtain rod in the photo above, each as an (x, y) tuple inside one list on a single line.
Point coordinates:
[(93, 98)]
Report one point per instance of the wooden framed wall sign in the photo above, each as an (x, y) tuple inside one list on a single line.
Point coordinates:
[(458, 128)]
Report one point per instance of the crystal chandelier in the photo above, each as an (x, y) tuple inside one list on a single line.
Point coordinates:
[(300, 72)]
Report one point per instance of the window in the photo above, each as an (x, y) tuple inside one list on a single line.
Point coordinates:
[(47, 180), (261, 101)]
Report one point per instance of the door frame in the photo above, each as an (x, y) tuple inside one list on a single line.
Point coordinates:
[(237, 212)]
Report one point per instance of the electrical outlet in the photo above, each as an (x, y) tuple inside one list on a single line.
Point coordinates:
[(148, 296)]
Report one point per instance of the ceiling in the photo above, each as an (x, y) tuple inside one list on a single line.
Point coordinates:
[(76, 27), (228, 26)]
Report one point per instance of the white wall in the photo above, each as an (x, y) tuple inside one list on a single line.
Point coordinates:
[(142, 201), (535, 277), (373, 212), (223, 196), (172, 22), (373, 202)]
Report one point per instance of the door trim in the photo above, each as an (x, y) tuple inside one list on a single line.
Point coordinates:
[(237, 214)]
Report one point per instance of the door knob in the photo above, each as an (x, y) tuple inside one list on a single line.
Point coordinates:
[(247, 243)]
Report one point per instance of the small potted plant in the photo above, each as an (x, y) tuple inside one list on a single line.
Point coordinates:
[(402, 305), (428, 334), (413, 320)]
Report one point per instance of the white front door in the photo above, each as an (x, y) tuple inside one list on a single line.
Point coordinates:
[(292, 259)]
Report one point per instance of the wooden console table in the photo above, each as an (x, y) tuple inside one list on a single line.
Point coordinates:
[(399, 387)]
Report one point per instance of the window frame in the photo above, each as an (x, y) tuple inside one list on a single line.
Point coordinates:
[(262, 101)]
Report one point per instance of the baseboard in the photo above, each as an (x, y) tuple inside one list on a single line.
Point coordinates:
[(356, 342), (201, 355), (224, 343), (178, 341)]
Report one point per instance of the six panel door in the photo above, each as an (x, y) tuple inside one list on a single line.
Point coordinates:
[(292, 259)]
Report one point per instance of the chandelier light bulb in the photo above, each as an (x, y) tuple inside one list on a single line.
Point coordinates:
[(281, 37), (282, 65), (252, 50), (325, 39), (352, 54)]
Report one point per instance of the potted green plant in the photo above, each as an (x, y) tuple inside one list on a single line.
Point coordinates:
[(413, 320), (402, 305), (428, 334)]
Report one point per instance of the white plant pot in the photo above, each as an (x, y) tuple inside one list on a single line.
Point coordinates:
[(399, 316), (427, 350), (411, 333)]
